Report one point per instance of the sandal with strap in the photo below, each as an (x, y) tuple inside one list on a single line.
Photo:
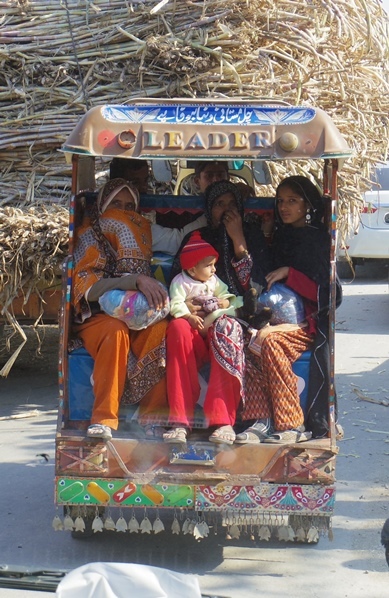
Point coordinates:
[(289, 436), (175, 435), (256, 433), (223, 435), (99, 431)]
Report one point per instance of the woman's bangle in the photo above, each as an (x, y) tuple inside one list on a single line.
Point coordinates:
[(267, 234), (244, 253)]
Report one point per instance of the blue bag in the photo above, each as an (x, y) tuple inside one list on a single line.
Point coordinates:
[(132, 308), (287, 305)]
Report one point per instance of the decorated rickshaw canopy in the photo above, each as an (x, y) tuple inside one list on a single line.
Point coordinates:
[(204, 129)]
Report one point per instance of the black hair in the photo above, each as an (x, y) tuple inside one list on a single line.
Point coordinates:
[(302, 186), (120, 166), (201, 164)]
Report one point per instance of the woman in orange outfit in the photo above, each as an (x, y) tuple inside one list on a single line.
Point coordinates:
[(113, 251)]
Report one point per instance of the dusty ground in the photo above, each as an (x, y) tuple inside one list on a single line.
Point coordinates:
[(351, 566)]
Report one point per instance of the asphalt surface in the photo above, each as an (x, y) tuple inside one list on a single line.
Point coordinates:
[(352, 565)]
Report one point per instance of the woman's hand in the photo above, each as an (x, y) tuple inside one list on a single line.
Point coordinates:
[(224, 303), (155, 294), (233, 222), (234, 227), (276, 275)]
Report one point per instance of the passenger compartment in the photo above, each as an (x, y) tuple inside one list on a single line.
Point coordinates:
[(166, 211)]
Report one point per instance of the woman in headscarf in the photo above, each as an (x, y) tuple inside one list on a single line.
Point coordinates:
[(113, 251), (301, 259), (243, 262)]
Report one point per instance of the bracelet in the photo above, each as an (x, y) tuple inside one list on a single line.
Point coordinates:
[(267, 234)]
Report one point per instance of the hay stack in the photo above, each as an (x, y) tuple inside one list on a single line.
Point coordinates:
[(60, 58)]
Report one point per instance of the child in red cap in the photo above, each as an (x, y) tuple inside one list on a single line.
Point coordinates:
[(198, 282)]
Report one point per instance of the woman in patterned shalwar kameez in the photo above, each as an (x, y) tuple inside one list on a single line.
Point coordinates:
[(113, 251), (301, 259)]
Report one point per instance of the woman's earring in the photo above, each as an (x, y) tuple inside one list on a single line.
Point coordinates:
[(308, 216)]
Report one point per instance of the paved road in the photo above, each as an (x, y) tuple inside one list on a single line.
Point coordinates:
[(352, 565)]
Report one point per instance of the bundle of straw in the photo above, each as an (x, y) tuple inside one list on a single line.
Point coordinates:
[(60, 58), (33, 244)]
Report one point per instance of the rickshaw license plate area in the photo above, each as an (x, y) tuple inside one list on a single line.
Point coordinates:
[(127, 470)]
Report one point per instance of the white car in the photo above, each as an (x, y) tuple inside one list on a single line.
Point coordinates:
[(371, 240)]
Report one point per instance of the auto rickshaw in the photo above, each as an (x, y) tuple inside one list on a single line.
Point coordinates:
[(123, 483)]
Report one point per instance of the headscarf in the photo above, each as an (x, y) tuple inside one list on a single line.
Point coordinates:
[(220, 239), (302, 186), (215, 190), (305, 248), (105, 196), (110, 190)]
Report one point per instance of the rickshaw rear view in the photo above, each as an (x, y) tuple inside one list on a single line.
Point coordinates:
[(128, 481)]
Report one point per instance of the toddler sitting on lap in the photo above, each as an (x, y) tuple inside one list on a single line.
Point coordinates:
[(198, 283)]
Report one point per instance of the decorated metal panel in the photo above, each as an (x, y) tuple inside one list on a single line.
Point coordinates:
[(121, 493), (264, 497), (222, 129), (286, 498), (127, 458), (77, 458)]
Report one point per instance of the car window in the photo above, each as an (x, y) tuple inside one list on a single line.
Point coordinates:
[(381, 176)]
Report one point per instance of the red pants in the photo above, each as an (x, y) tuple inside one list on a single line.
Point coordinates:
[(187, 351)]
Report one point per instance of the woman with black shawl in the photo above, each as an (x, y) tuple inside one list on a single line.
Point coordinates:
[(243, 262), (301, 259)]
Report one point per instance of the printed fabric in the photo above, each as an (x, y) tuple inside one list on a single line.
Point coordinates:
[(125, 249)]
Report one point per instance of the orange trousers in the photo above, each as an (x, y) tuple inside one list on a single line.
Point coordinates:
[(108, 341)]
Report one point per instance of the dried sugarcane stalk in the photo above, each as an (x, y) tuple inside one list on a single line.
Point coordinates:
[(57, 60)]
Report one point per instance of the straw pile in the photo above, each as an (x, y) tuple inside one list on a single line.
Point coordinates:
[(60, 58), (34, 243)]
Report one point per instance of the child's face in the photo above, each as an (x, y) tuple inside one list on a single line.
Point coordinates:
[(204, 270)]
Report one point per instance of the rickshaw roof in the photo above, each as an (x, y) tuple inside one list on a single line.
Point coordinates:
[(207, 129)]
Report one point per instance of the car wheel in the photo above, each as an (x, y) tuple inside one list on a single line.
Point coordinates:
[(345, 269)]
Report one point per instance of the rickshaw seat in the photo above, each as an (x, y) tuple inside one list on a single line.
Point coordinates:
[(80, 388)]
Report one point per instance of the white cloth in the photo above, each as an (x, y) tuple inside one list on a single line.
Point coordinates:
[(121, 580), (168, 240)]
